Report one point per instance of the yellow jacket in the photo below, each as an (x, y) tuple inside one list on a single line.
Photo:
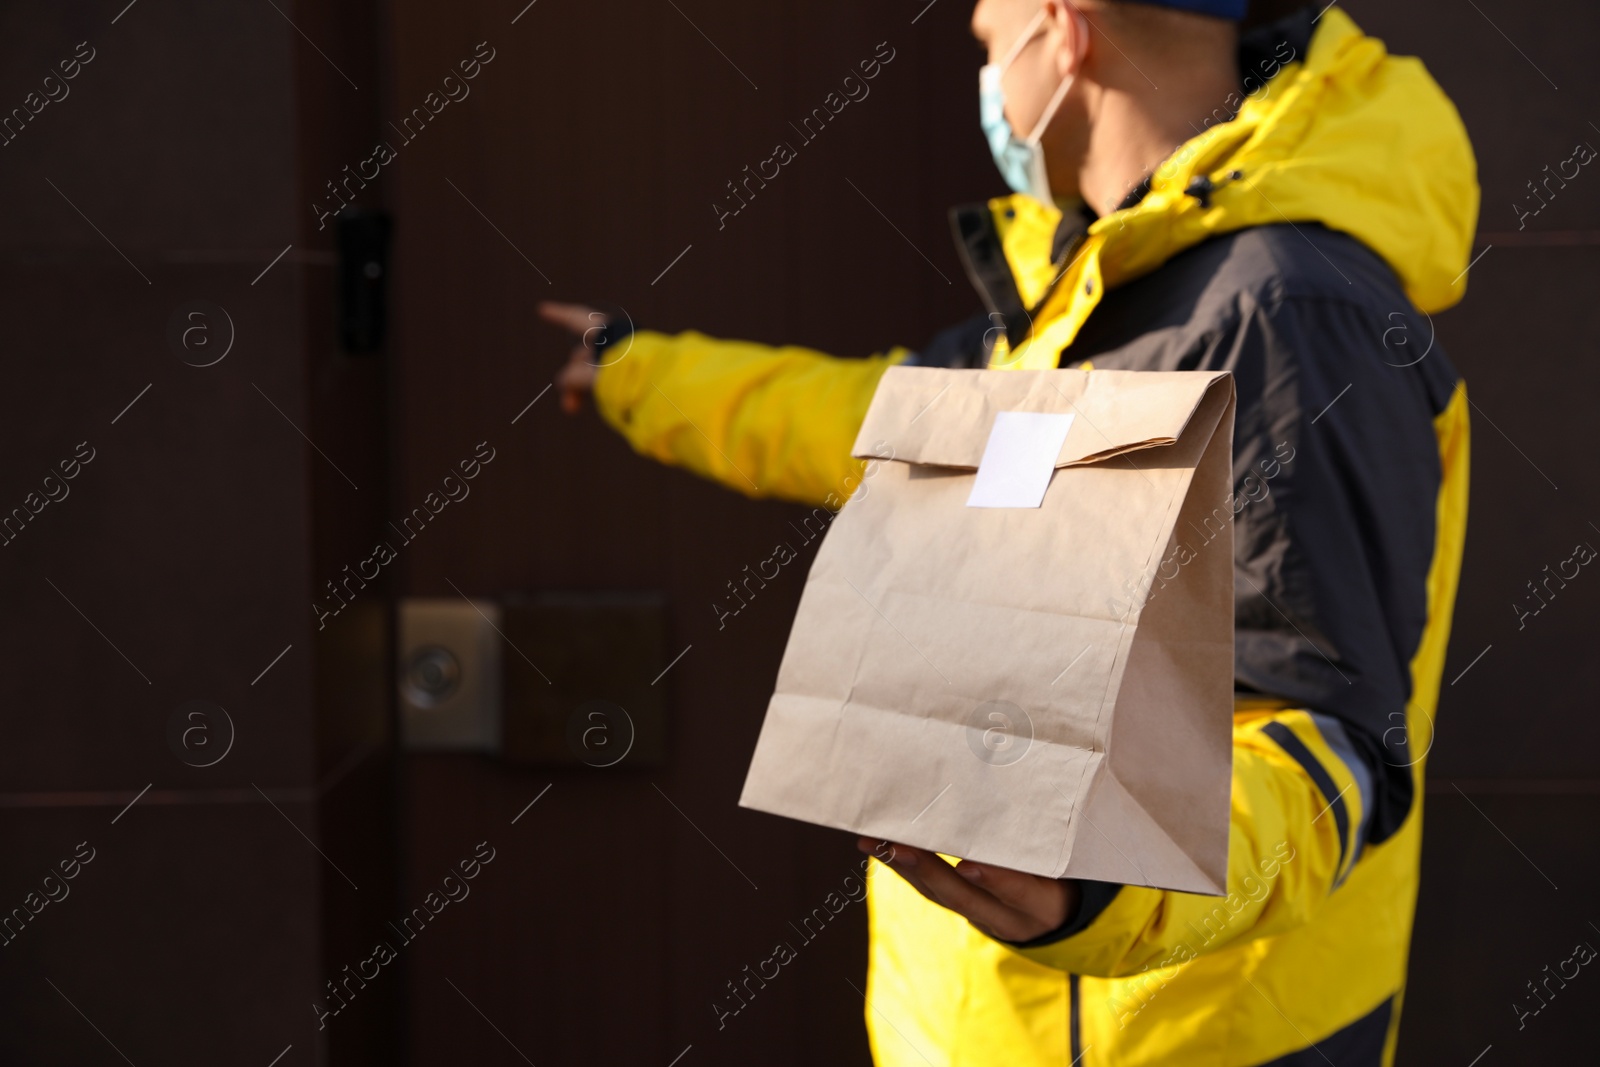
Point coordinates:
[(1309, 947)]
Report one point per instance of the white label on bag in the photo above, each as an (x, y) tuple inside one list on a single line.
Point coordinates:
[(1019, 459)]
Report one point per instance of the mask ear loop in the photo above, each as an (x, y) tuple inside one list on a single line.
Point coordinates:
[(1060, 93), (1022, 40), (1050, 109)]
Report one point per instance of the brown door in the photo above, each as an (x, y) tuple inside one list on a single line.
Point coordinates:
[(583, 166)]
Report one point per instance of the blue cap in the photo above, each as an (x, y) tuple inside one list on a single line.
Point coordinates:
[(1222, 9)]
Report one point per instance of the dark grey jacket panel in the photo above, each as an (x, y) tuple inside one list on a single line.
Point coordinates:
[(1336, 462)]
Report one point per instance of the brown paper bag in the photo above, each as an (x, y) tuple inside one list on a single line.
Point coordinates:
[(1045, 688)]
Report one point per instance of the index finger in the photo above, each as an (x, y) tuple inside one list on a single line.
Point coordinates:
[(579, 318)]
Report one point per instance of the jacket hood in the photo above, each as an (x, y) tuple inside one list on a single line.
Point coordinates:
[(1347, 136)]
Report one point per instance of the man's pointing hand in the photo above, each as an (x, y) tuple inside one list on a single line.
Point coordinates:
[(576, 379)]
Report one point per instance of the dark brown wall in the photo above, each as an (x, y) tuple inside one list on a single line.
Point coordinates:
[(184, 559), (595, 142)]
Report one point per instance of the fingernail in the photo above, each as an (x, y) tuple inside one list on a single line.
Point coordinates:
[(969, 872)]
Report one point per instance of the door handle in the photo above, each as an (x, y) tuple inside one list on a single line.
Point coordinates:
[(363, 238)]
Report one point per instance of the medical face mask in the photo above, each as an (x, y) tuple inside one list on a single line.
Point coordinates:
[(1021, 162)]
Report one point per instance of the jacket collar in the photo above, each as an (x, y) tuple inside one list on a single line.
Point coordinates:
[(1320, 135)]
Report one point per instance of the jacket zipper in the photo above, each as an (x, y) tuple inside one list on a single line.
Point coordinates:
[(1074, 1030)]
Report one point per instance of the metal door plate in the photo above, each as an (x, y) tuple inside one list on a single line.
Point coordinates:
[(578, 680)]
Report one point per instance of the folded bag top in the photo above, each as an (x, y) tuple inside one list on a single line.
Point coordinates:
[(1046, 687), (942, 417)]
